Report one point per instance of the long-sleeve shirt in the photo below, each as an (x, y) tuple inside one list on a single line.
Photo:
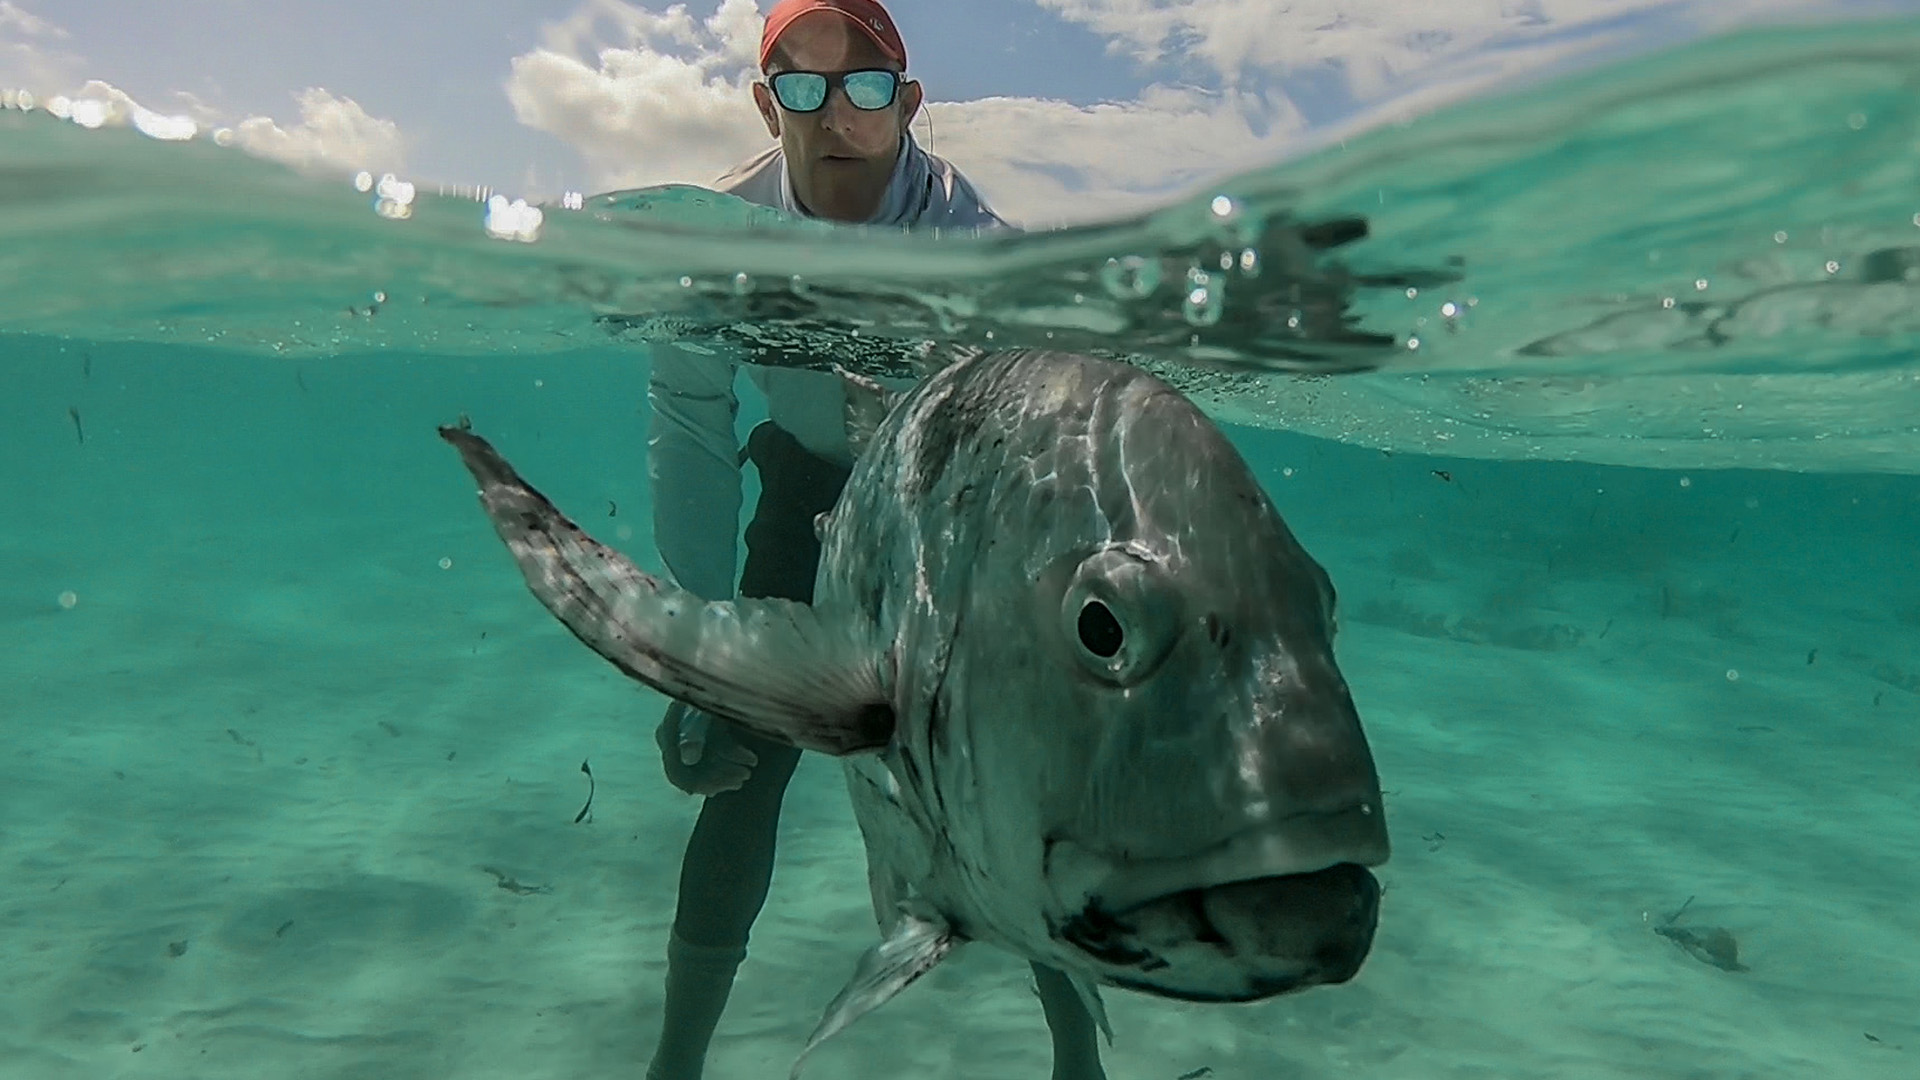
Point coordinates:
[(693, 454)]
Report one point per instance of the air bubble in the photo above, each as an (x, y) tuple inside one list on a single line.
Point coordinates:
[(1833, 267), (1699, 284), (686, 282), (1250, 262), (742, 284), (1130, 278), (446, 563), (1780, 236), (68, 599), (1205, 300), (1733, 674), (1223, 208), (1412, 293), (1450, 310)]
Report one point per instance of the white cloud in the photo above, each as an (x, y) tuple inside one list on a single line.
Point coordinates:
[(26, 23), (333, 133), (1049, 162), (28, 59), (1372, 44), (671, 103)]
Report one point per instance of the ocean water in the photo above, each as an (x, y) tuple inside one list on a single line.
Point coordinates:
[(1600, 402)]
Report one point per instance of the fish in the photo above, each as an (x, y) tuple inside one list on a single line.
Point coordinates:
[(1078, 671)]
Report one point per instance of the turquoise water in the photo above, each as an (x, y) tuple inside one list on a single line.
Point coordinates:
[(1625, 546)]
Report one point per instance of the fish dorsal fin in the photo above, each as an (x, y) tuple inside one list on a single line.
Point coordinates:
[(771, 666), (868, 403), (912, 948)]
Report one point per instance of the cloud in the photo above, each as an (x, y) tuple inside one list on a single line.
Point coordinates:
[(670, 103), (1373, 45), (26, 23), (28, 58), (1050, 162), (333, 132)]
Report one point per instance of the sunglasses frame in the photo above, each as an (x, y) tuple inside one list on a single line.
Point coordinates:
[(836, 80)]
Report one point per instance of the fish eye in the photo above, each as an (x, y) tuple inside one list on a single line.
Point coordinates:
[(1120, 615), (1100, 632)]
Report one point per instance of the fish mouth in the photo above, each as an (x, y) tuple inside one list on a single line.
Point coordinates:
[(1268, 911), (1245, 941)]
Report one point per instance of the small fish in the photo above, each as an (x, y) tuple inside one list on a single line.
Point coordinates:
[(1711, 945), (1714, 946), (73, 412), (514, 885)]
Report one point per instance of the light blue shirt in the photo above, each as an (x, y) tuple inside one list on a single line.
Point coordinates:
[(693, 456)]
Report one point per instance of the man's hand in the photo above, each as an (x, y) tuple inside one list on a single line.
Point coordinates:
[(700, 754)]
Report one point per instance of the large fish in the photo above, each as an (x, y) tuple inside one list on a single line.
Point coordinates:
[(1078, 670)]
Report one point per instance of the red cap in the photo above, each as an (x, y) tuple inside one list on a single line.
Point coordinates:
[(868, 15)]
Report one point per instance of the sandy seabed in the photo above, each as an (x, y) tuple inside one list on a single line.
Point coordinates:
[(287, 797)]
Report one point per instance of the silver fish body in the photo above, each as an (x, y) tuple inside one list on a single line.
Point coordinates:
[(1079, 672)]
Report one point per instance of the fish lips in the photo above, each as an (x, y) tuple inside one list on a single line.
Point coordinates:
[(1243, 941), (1267, 912)]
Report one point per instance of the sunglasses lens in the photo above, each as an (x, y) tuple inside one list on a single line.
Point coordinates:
[(800, 91), (871, 90)]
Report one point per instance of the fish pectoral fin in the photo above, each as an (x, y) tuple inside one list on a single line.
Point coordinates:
[(868, 403), (1090, 999), (912, 948), (769, 665)]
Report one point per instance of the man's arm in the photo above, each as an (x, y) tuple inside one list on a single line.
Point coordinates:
[(693, 459)]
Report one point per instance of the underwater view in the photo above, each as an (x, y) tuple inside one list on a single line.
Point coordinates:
[(1597, 401)]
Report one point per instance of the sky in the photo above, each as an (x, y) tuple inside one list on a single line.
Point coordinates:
[(1060, 110)]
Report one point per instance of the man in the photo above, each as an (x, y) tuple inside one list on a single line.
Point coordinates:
[(836, 97)]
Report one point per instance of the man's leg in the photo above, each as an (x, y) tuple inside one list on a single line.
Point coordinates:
[(724, 878), (728, 866), (1076, 1040)]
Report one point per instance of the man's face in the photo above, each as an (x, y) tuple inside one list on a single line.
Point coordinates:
[(840, 157)]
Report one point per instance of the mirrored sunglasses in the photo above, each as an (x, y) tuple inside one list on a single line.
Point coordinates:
[(806, 91)]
